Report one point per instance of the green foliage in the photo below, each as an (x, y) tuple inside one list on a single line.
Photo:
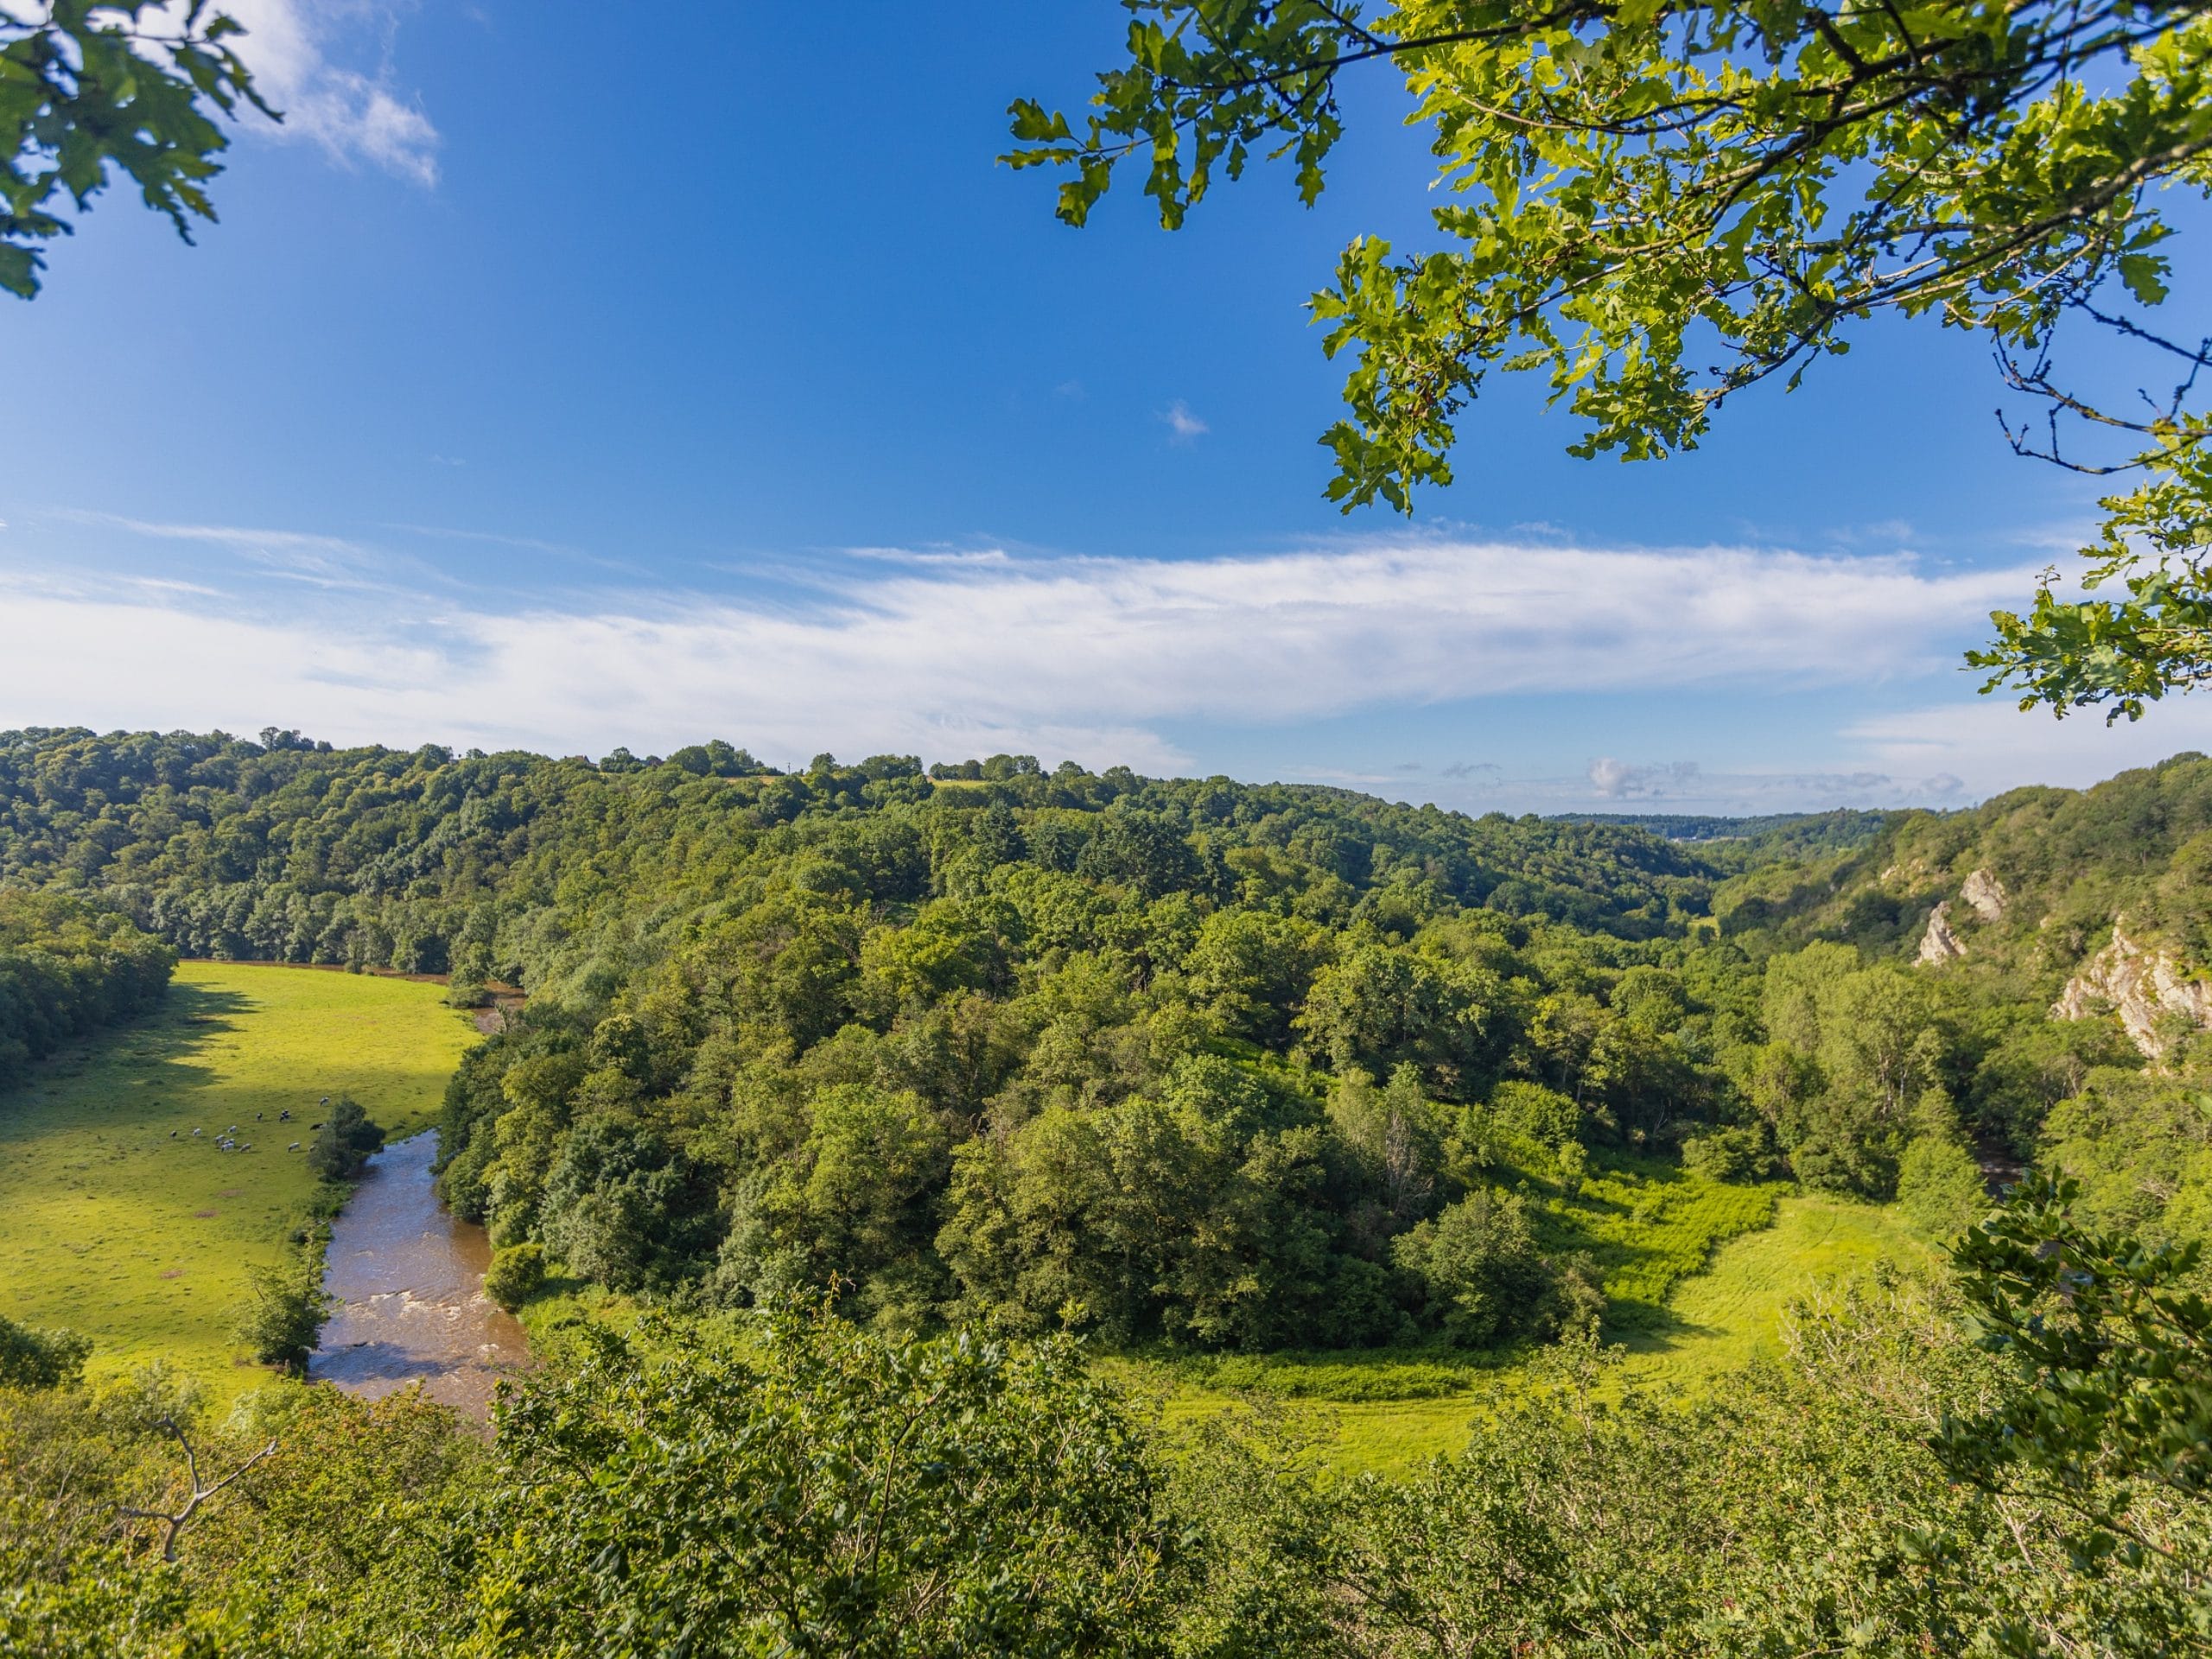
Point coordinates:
[(822, 1492), (341, 1543), (34, 1358), (1800, 1510), (87, 86), (2123, 654), (1939, 1189), (1743, 1154), (1620, 183), (805, 1486), (515, 1275), (1183, 1063), (619, 1207), (2111, 1349), (286, 1310), (67, 968), (342, 1146), (1485, 1281), (2139, 1149)]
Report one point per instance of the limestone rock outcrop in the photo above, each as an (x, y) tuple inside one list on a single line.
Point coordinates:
[(1987, 895), (2141, 985), (1939, 943)]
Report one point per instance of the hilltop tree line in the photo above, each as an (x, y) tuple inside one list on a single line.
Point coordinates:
[(287, 850)]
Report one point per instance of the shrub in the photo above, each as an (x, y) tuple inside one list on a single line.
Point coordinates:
[(1939, 1189), (33, 1358), (344, 1143), (1737, 1154), (1479, 1259), (284, 1320), (466, 992), (515, 1275), (817, 1490), (1541, 1113)]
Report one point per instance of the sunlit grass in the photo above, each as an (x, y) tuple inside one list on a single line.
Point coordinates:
[(111, 1227), (1391, 1412)]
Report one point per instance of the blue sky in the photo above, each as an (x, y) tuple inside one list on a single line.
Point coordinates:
[(552, 385)]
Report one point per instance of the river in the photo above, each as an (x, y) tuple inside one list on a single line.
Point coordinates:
[(410, 1278)]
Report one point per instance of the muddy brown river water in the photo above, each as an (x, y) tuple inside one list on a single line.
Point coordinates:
[(409, 1277)]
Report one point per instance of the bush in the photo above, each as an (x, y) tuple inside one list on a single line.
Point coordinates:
[(820, 1490), (284, 1319), (33, 1358), (1738, 1155), (1541, 1113), (344, 1143), (515, 1275), (1479, 1259), (467, 992), (1940, 1188)]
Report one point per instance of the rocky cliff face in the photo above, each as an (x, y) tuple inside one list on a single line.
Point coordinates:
[(2143, 986), (1987, 895), (1939, 943)]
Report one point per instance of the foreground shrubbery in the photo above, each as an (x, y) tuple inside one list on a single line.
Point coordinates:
[(791, 1483)]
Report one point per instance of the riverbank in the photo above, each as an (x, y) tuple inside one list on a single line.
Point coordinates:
[(117, 1221)]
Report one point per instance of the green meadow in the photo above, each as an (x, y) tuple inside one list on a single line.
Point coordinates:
[(1392, 1414), (116, 1220)]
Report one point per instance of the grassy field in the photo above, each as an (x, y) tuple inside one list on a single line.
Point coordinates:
[(1713, 1324), (111, 1227), (1719, 1321)]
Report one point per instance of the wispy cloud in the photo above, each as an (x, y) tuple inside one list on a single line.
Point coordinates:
[(1182, 425), (320, 561), (306, 56), (1101, 659)]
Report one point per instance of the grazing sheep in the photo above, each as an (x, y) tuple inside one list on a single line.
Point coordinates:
[(295, 1147)]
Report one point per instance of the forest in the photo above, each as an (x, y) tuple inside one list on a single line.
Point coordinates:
[(877, 1095)]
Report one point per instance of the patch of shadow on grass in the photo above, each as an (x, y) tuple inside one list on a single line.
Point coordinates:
[(160, 1047), (1648, 1330)]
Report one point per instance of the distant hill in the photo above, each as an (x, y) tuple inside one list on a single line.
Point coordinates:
[(291, 850), (1741, 843), (2102, 895)]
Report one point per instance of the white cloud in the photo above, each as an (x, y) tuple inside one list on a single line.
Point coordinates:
[(294, 48), (1096, 659), (1617, 780), (1182, 425), (1988, 744)]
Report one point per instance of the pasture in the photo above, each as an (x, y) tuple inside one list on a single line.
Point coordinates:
[(116, 1220), (1390, 1413)]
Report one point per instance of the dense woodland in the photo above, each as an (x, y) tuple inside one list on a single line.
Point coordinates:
[(1192, 1062), (872, 1088)]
